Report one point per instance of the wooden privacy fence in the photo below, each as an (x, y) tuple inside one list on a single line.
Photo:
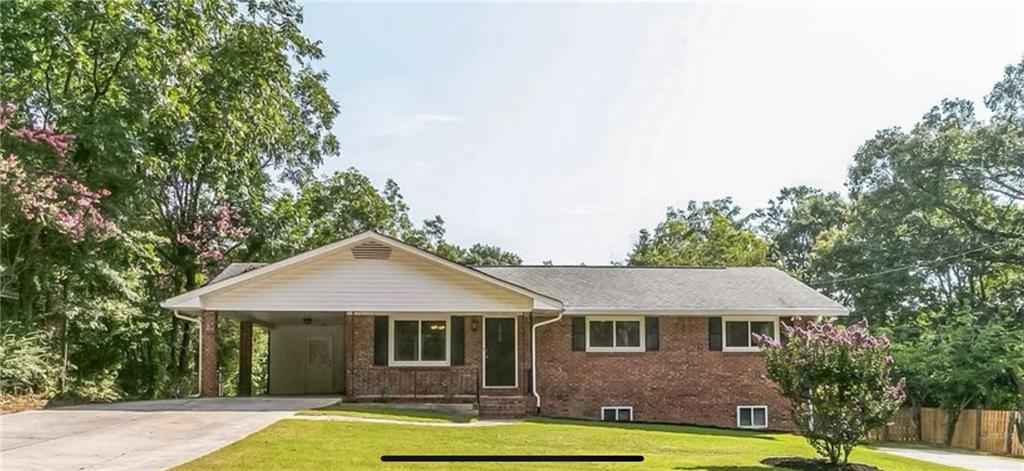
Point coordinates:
[(991, 431)]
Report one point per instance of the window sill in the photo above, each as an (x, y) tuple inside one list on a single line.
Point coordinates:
[(742, 350), (612, 353), (419, 365), (741, 353), (615, 349)]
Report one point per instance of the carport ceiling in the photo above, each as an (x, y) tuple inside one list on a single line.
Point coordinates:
[(276, 318)]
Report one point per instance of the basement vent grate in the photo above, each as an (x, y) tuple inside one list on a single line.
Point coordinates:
[(371, 251)]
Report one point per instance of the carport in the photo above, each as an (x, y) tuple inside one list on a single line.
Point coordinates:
[(369, 317)]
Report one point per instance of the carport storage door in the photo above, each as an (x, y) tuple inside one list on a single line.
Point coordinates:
[(319, 365), (306, 359)]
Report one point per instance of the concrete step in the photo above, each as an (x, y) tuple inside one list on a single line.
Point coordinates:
[(502, 407)]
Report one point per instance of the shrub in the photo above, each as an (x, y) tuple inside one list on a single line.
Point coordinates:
[(26, 364), (837, 381)]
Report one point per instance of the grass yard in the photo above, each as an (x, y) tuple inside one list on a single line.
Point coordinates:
[(379, 411), (303, 444)]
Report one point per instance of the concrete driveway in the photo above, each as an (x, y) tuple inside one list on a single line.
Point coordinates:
[(136, 435), (958, 458)]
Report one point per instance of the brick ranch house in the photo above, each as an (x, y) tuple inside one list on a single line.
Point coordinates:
[(374, 319)]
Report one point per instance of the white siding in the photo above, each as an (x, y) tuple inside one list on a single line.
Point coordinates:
[(288, 357), (339, 282)]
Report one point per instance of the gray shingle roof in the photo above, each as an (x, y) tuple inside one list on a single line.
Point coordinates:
[(234, 270), (747, 289), (669, 289)]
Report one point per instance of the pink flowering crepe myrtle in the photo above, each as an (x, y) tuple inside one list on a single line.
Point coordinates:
[(212, 236), (837, 380), (50, 195)]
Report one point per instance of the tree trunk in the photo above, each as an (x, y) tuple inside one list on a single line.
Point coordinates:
[(1018, 378), (952, 417), (181, 350), (915, 418), (26, 277)]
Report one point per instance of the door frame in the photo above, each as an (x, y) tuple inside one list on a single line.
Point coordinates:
[(515, 349), (310, 337)]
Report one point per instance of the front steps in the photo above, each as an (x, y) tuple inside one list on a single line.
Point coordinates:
[(502, 407)]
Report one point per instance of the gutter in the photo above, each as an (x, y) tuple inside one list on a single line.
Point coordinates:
[(533, 356), (199, 364)]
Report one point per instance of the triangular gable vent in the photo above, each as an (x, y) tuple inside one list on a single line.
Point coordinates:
[(371, 250)]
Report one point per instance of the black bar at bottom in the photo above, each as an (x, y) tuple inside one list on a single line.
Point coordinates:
[(510, 458)]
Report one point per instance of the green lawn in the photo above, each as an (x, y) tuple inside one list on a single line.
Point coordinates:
[(291, 444), (380, 411)]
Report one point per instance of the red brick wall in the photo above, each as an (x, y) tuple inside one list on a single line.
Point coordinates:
[(366, 381), (209, 382), (683, 382)]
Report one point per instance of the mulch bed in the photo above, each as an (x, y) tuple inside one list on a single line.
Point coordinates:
[(808, 464), (12, 404)]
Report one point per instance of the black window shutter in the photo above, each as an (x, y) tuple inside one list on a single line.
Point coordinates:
[(715, 333), (651, 325), (782, 332), (458, 344), (380, 340), (579, 334)]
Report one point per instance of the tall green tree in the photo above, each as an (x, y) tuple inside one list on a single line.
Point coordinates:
[(955, 361), (187, 112), (794, 221), (711, 233), (327, 209), (934, 229)]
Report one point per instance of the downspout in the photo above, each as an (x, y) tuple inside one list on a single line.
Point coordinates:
[(533, 347), (199, 364)]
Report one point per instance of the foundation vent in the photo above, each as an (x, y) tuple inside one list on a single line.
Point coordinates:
[(371, 251)]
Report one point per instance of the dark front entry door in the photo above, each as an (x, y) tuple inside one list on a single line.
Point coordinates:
[(499, 352)]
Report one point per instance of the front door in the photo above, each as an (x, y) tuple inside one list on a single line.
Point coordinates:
[(499, 352), (319, 365)]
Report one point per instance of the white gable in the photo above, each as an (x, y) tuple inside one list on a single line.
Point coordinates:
[(340, 282), (364, 273)]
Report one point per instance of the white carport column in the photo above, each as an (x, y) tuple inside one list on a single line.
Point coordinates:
[(208, 382)]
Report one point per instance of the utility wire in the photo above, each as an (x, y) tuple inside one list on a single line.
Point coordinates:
[(906, 267)]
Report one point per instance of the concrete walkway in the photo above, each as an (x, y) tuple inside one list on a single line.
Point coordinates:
[(962, 459), (141, 435), (372, 420)]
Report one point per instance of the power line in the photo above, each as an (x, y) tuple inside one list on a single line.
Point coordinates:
[(906, 267)]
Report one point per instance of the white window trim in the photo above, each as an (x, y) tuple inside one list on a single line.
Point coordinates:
[(617, 408), (422, 317), (613, 348), (752, 426), (752, 348), (483, 350)]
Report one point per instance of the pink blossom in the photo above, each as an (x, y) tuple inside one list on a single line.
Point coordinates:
[(213, 233), (47, 195)]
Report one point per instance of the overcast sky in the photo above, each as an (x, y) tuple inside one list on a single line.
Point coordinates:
[(559, 131)]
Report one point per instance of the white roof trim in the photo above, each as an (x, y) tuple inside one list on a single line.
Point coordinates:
[(695, 312), (191, 299)]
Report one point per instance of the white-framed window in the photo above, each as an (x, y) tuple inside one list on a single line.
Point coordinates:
[(738, 332), (752, 416), (617, 414), (419, 340), (615, 334)]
